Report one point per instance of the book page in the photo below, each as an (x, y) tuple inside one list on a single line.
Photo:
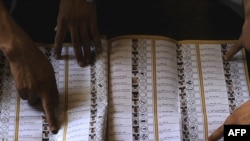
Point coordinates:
[(162, 90), (143, 98), (211, 88), (82, 108)]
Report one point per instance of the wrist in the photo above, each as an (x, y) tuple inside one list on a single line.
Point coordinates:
[(18, 49), (2, 7), (245, 27), (5, 28), (10, 33)]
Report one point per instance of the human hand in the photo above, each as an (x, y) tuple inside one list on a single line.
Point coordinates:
[(240, 116), (80, 19), (243, 42), (32, 72)]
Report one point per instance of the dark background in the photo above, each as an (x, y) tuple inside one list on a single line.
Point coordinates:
[(178, 19)]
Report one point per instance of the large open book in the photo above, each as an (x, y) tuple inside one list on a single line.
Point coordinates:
[(147, 88)]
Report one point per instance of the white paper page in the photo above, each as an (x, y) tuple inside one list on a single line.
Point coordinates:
[(82, 106), (225, 87), (137, 109), (205, 104)]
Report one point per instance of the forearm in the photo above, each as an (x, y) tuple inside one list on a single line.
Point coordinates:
[(2, 8), (13, 39), (246, 5), (3, 23), (1, 3)]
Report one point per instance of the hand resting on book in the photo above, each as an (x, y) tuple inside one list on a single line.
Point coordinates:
[(80, 19), (240, 116), (243, 42), (32, 72)]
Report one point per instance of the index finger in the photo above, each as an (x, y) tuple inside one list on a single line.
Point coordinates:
[(50, 105), (217, 134), (61, 31), (95, 34), (77, 46), (232, 51)]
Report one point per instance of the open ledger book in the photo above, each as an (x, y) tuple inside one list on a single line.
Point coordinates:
[(147, 88)]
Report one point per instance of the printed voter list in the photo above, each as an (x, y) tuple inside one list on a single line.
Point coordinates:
[(241, 132)]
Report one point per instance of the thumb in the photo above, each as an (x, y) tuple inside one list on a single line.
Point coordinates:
[(232, 51), (217, 134)]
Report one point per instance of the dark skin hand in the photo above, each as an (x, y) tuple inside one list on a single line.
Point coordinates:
[(243, 42), (241, 115), (32, 72), (80, 19)]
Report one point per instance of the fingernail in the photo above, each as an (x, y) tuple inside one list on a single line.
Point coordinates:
[(81, 63), (56, 56), (54, 129)]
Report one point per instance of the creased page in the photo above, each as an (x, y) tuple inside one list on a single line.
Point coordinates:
[(209, 87), (143, 98), (82, 108), (225, 83), (190, 93), (83, 97), (18, 121), (166, 88)]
